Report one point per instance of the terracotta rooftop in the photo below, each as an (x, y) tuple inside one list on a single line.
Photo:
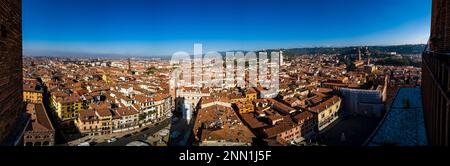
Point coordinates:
[(290, 100), (220, 123), (59, 94), (302, 116), (103, 112), (209, 99), (100, 105), (324, 105), (283, 108), (41, 121), (282, 126), (244, 105), (141, 98), (251, 90), (87, 115), (126, 111), (236, 96), (324, 90), (73, 98), (273, 116), (252, 121), (32, 85)]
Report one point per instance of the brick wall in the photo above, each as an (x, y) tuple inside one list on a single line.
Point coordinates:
[(11, 105), (440, 26)]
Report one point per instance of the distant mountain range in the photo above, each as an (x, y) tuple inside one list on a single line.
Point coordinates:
[(288, 52), (374, 50)]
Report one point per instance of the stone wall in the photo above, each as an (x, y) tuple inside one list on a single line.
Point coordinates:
[(11, 106)]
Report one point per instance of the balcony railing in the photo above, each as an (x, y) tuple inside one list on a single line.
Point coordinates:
[(437, 64)]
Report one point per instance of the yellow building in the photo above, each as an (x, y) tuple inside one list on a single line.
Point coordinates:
[(251, 94), (32, 91), (67, 107), (95, 122), (234, 98), (32, 96), (105, 77), (326, 112), (245, 107)]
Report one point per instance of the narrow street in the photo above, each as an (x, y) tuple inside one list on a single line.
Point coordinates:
[(349, 131), (140, 136)]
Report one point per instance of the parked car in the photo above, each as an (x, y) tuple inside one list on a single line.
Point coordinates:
[(112, 140), (84, 144)]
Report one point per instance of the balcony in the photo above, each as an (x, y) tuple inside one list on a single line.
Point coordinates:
[(436, 92), (437, 66)]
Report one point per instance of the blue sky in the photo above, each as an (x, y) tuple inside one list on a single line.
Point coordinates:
[(162, 27)]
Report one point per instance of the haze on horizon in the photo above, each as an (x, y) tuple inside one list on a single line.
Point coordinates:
[(162, 27)]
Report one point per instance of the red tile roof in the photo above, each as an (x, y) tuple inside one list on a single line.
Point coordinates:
[(324, 105)]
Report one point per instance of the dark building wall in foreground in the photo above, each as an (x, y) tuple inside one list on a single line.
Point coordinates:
[(11, 107), (435, 90), (436, 76), (440, 26)]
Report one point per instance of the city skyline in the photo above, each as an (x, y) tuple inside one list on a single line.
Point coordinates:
[(95, 86), (160, 28)]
